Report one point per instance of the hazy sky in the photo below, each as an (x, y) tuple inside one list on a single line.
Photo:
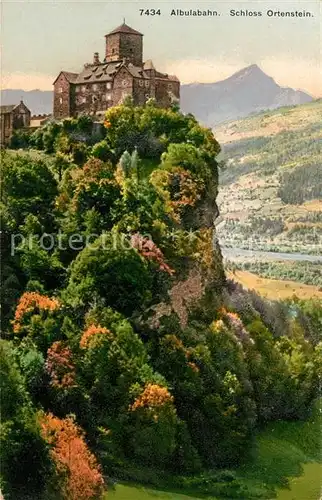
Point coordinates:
[(39, 38)]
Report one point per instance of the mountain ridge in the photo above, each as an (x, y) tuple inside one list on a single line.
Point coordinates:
[(247, 91)]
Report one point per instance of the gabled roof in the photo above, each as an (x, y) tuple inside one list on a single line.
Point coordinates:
[(103, 72), (7, 108), (124, 28), (70, 77)]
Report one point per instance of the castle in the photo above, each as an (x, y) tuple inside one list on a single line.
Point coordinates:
[(123, 73)]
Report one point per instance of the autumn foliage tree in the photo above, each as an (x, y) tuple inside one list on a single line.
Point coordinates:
[(60, 366), (79, 475), (155, 422), (29, 302)]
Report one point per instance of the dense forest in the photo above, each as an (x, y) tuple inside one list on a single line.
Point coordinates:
[(125, 351)]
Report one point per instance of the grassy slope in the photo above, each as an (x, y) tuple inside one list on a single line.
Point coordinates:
[(257, 151), (275, 289), (282, 450), (286, 464), (270, 122)]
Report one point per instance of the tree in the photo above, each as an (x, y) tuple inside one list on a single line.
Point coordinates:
[(112, 271), (77, 468), (21, 440), (28, 187)]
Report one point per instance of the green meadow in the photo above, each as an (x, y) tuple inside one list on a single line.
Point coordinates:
[(286, 465)]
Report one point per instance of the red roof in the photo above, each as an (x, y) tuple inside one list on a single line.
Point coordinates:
[(124, 28)]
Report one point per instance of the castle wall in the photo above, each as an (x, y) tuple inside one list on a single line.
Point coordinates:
[(124, 45), (122, 86), (131, 47), (6, 128), (141, 91), (91, 98), (163, 91), (62, 97)]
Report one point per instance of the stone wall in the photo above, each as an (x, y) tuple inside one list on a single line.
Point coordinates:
[(62, 98), (6, 128), (122, 86), (97, 98), (164, 89), (142, 90), (124, 45)]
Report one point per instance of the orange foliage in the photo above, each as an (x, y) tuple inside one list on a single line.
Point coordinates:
[(82, 478), (92, 330), (30, 301), (149, 250), (107, 124), (152, 397), (193, 366), (177, 345), (188, 191), (60, 366)]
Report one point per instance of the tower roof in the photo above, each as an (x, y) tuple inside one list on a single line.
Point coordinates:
[(148, 64), (124, 28)]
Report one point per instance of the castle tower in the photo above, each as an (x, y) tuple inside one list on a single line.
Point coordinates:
[(124, 43)]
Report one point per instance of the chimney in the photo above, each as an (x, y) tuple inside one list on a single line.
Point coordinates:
[(96, 59)]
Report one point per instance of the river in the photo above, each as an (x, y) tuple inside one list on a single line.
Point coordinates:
[(241, 253)]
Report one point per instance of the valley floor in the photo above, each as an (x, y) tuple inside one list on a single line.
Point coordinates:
[(275, 289)]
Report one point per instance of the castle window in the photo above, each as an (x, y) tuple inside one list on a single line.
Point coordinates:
[(169, 86), (83, 100), (108, 97), (94, 99), (108, 85), (141, 83), (124, 83), (147, 83), (60, 90), (147, 96), (95, 86), (60, 100)]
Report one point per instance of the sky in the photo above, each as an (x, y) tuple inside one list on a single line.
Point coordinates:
[(40, 38)]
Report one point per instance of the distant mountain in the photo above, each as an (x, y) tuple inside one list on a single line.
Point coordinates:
[(38, 101), (248, 91)]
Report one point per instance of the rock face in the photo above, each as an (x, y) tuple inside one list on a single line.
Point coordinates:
[(203, 271), (248, 91)]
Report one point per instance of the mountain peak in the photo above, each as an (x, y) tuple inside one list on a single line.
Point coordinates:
[(250, 71)]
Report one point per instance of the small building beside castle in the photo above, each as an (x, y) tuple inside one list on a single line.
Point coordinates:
[(103, 84), (12, 117)]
